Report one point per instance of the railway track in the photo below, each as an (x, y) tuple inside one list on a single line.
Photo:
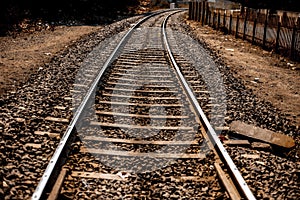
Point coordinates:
[(139, 132)]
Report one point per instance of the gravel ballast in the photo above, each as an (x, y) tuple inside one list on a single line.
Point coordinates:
[(273, 173), (24, 153)]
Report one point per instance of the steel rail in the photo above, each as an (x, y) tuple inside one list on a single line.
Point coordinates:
[(211, 132), (54, 161)]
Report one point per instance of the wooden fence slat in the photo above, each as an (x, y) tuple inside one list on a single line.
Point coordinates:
[(253, 33), (245, 25), (203, 12), (190, 10), (237, 26), (265, 34), (230, 24), (199, 12), (277, 38), (207, 13), (293, 41), (265, 31), (259, 28), (209, 17), (214, 19), (219, 20), (224, 20), (196, 11)]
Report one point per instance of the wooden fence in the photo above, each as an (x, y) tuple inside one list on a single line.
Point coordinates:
[(271, 31)]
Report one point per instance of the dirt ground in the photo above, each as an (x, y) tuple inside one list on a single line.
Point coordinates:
[(23, 54), (271, 77)]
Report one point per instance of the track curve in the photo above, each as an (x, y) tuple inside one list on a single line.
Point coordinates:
[(138, 131)]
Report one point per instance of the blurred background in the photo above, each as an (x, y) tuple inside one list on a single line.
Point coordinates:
[(16, 15)]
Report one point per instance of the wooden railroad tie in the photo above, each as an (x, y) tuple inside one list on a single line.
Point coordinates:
[(144, 91), (141, 75), (139, 104), (102, 124), (140, 85), (143, 116), (139, 97), (131, 141), (262, 134), (51, 135), (55, 119), (141, 80), (119, 177), (139, 154)]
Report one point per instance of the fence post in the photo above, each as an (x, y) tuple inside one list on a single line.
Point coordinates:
[(219, 19), (195, 10), (265, 31), (190, 10), (207, 13), (237, 26), (254, 28), (245, 25), (277, 38), (224, 20), (199, 11), (203, 12), (214, 19), (293, 41), (209, 17), (230, 24)]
